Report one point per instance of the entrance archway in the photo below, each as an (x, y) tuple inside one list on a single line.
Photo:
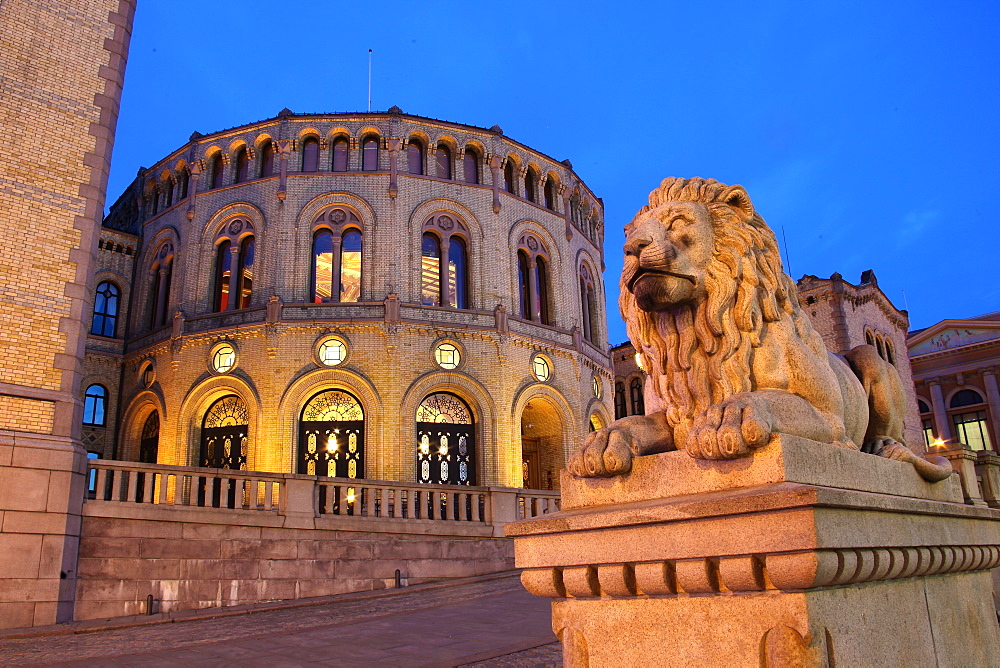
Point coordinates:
[(332, 436), (542, 444), (446, 441), (149, 441), (224, 434)]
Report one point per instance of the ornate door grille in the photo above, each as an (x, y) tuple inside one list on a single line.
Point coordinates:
[(150, 440), (446, 449), (332, 436), (224, 435)]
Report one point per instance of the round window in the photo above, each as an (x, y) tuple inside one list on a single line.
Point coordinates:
[(447, 355), (331, 351), (147, 375), (541, 368), (223, 358)]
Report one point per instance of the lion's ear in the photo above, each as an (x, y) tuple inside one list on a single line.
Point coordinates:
[(737, 197)]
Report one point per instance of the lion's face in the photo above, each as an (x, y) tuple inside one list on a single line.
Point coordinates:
[(666, 254)]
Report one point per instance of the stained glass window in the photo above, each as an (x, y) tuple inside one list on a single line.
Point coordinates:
[(105, 309), (448, 356), (443, 408), (224, 358), (93, 405)]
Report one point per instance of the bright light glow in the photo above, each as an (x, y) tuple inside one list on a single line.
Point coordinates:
[(937, 443), (331, 443), (443, 450), (350, 495), (638, 361)]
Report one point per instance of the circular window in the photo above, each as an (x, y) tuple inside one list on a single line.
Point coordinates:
[(541, 367), (223, 358), (331, 351), (447, 356), (597, 387), (147, 375)]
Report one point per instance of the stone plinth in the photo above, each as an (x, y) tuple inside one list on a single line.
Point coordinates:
[(801, 555)]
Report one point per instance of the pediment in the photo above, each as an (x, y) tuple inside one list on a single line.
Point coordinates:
[(950, 334)]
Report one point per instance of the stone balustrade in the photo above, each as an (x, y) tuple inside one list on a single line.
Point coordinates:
[(978, 471)]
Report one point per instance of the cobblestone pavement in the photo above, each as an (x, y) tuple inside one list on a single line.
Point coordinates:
[(490, 623)]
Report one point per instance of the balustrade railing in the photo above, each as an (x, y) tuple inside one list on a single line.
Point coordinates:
[(287, 494)]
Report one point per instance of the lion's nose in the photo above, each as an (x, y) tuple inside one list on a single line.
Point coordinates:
[(635, 245)]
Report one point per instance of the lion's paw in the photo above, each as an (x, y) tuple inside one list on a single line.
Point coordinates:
[(731, 429), (606, 452)]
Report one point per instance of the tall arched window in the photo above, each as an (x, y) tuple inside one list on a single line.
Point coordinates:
[(246, 272), (523, 285), (105, 309), (542, 296), (340, 152), (350, 266), (267, 159), (635, 392), (588, 304), (224, 434), (968, 414), (415, 157), (168, 192), (369, 154), (443, 159), (223, 274), (446, 450), (457, 273), (216, 169), (310, 155), (337, 257), (508, 176), (161, 274), (332, 435), (533, 280), (550, 194), (322, 266), (149, 441), (530, 181), (242, 166), (182, 181), (430, 270), (470, 163), (620, 401), (93, 405)]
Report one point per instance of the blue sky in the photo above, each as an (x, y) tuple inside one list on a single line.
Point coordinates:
[(867, 132)]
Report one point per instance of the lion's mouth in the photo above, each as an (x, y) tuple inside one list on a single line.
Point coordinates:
[(642, 272)]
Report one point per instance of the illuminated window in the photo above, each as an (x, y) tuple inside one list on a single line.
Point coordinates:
[(147, 375), (223, 271), (533, 280), (223, 358), (970, 429), (448, 356), (332, 352), (246, 272), (93, 405), (322, 266), (340, 152), (105, 309), (350, 266), (430, 271), (541, 368)]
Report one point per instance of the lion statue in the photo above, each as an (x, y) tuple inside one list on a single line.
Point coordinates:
[(730, 357)]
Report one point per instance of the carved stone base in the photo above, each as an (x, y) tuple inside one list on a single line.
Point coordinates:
[(793, 557)]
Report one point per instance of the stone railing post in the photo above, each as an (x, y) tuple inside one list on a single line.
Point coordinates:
[(988, 469), (502, 508), (299, 503), (963, 462)]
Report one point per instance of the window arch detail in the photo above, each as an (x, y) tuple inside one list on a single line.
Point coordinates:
[(445, 430), (588, 304), (160, 275), (331, 435), (337, 256), (224, 434), (444, 261), (94, 405), (234, 265), (533, 273), (106, 300)]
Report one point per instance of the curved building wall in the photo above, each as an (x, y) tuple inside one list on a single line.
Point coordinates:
[(498, 257)]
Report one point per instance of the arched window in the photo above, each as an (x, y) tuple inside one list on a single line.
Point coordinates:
[(508, 176), (267, 159), (620, 399), (168, 192), (890, 357), (350, 266), (242, 166), (415, 157), (224, 434), (430, 270), (470, 163), (869, 339), (369, 154), (965, 398), (223, 274), (588, 304), (457, 274), (322, 266), (523, 285), (879, 347), (340, 151), (635, 394), (332, 436), (105, 309), (161, 274), (443, 159), (153, 195), (149, 441), (446, 451), (93, 405), (246, 272), (530, 181), (216, 168), (970, 425), (542, 296), (550, 194), (926, 421), (922, 407), (310, 155), (182, 180)]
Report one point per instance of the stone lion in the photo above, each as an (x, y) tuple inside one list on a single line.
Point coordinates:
[(730, 357)]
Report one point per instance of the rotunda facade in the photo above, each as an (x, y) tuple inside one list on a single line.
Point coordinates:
[(373, 295)]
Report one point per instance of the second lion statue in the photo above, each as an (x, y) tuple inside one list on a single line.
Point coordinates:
[(730, 357)]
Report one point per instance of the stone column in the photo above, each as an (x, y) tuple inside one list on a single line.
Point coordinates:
[(495, 164), (993, 399), (393, 145), (234, 276), (284, 150), (532, 309), (567, 212), (338, 243), (196, 171), (941, 425)]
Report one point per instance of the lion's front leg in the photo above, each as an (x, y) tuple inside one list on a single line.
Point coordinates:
[(609, 451), (741, 423)]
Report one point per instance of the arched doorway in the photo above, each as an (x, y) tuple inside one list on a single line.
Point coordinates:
[(224, 434), (332, 436), (149, 441), (446, 441), (542, 445)]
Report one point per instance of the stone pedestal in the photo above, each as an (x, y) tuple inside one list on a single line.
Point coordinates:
[(804, 554)]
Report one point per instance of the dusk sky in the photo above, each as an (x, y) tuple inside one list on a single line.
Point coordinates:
[(867, 133)]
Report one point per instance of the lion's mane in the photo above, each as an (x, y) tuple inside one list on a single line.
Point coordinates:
[(699, 355)]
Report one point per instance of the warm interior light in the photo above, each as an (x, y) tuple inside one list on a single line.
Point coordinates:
[(443, 450), (331, 443), (350, 495), (937, 443)]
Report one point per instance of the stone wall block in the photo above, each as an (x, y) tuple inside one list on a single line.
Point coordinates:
[(220, 569), (166, 548), (22, 554)]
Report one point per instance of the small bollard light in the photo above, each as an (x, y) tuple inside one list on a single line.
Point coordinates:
[(149, 604), (399, 579)]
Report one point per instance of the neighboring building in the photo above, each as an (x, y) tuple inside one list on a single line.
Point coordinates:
[(955, 364), (371, 295), (845, 315)]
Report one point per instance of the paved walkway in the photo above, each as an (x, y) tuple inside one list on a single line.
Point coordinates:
[(480, 621)]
